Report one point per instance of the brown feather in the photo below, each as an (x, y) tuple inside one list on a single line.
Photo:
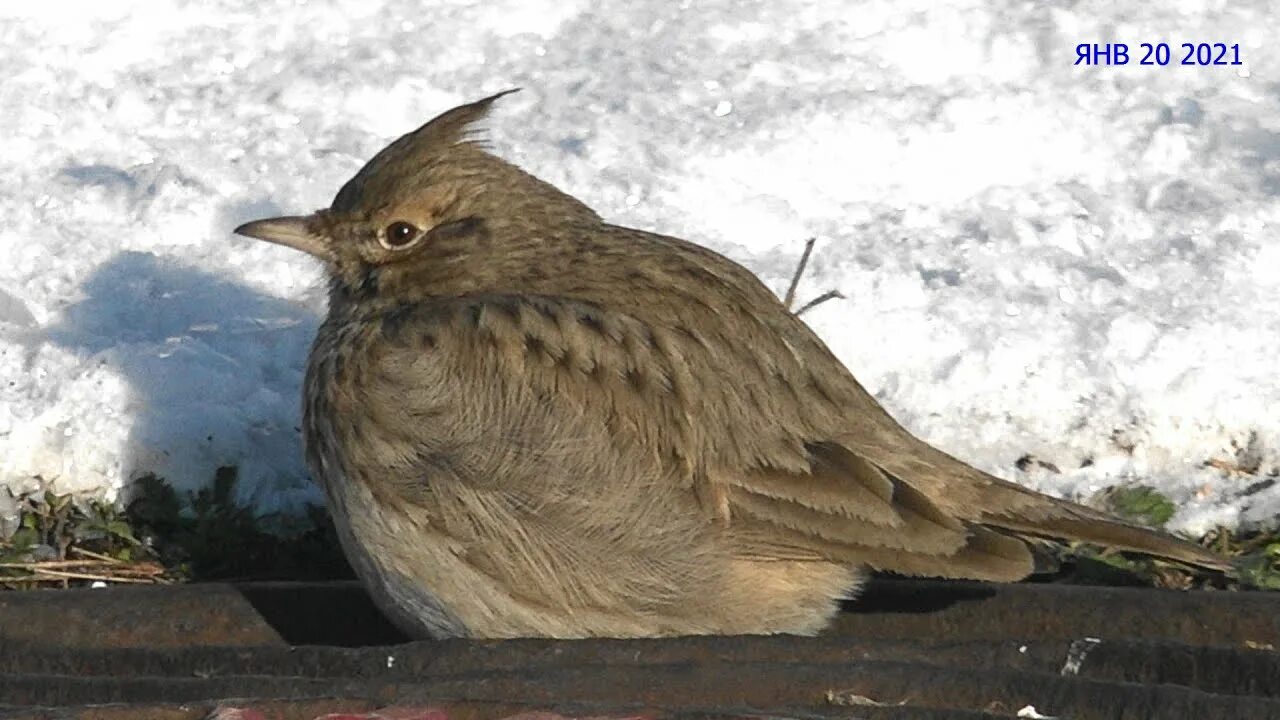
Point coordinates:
[(986, 555)]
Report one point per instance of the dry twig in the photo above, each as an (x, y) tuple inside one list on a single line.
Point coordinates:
[(790, 298)]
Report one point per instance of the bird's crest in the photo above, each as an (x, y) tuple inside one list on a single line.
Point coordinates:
[(451, 127), (416, 150)]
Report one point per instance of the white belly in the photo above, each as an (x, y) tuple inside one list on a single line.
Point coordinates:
[(375, 542)]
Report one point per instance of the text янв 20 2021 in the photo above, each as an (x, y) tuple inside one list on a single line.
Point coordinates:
[(1158, 54)]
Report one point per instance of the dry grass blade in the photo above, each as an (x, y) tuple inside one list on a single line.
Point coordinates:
[(114, 578), (795, 277), (790, 298), (94, 569), (828, 295), (96, 556), (45, 564)]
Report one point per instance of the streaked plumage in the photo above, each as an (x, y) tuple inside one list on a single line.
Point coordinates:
[(530, 422)]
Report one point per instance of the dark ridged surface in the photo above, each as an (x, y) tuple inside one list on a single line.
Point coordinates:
[(906, 650)]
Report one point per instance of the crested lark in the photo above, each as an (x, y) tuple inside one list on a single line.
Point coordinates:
[(531, 422)]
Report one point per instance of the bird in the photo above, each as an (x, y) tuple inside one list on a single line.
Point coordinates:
[(530, 422)]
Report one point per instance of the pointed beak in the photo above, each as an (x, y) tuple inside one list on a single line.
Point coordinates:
[(296, 232)]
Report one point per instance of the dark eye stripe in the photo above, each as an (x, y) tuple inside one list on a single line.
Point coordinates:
[(458, 228)]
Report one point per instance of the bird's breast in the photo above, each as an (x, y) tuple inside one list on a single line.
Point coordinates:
[(377, 537)]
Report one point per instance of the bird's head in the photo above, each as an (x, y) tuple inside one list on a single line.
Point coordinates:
[(432, 213)]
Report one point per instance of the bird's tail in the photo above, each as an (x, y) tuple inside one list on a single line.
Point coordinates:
[(1063, 520), (1007, 506)]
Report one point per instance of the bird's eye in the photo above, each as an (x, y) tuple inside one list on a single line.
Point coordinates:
[(399, 234)]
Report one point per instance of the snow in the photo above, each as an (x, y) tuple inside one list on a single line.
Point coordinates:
[(1075, 263)]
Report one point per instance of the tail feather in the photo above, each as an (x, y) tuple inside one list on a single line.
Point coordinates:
[(978, 497), (1075, 522)]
